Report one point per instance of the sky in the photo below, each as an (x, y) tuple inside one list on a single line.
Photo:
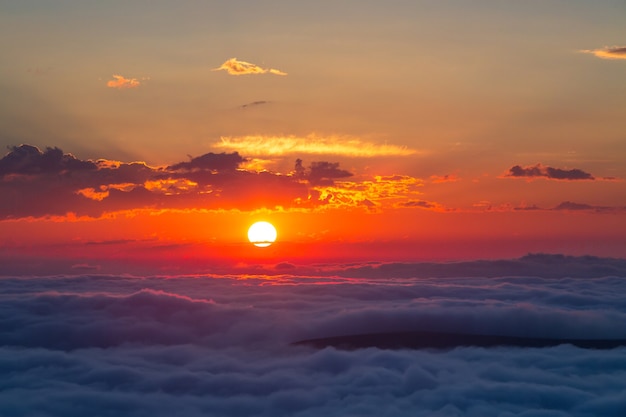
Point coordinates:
[(430, 166), (152, 134)]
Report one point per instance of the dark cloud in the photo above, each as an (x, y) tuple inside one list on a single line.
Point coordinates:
[(569, 205), (220, 345), (92, 188), (321, 172), (211, 162), (541, 171), (254, 104), (419, 203), (29, 160), (284, 266)]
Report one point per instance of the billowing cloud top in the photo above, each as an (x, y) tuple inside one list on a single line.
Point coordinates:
[(121, 82), (609, 52), (540, 171), (195, 346), (236, 67)]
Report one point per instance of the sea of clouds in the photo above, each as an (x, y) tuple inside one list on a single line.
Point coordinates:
[(107, 345)]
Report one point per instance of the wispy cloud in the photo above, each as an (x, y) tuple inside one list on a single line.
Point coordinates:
[(254, 104), (541, 171), (312, 144), (121, 82), (422, 204), (236, 67), (608, 52)]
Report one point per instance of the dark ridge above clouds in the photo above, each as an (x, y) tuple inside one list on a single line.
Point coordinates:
[(575, 206), (534, 264), (442, 340)]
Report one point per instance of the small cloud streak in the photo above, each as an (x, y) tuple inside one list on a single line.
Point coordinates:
[(312, 144), (254, 104), (608, 52), (424, 205), (540, 171), (235, 67), (121, 82)]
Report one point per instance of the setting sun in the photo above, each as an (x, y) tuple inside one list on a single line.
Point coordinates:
[(262, 234)]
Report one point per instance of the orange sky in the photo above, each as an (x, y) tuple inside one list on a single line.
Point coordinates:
[(363, 131)]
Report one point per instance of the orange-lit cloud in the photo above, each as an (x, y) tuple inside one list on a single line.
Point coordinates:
[(52, 183), (235, 67), (311, 144), (121, 82), (380, 192), (608, 52), (92, 194)]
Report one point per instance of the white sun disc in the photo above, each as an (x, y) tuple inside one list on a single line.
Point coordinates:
[(262, 234)]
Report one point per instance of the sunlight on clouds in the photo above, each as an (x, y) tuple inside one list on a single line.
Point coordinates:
[(379, 193), (121, 82), (92, 194), (234, 67), (612, 52), (171, 186), (311, 144)]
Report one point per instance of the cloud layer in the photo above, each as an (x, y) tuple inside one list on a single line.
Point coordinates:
[(235, 67), (199, 345)]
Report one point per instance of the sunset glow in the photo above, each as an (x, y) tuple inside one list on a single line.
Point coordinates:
[(312, 208)]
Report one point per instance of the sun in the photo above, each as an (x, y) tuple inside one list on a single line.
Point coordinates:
[(262, 234)]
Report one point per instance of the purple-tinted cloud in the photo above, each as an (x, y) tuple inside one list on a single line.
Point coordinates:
[(540, 171), (211, 162), (200, 345), (321, 172), (29, 160)]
